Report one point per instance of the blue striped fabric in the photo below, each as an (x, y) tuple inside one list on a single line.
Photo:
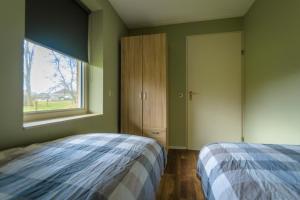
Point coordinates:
[(240, 171), (91, 166)]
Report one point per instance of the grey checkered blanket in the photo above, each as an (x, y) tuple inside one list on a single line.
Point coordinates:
[(231, 171), (92, 166)]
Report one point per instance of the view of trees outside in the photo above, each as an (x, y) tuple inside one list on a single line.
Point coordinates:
[(51, 79)]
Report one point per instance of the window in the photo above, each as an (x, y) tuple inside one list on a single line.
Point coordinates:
[(53, 82)]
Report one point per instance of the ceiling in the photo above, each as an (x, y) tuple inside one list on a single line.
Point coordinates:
[(144, 13)]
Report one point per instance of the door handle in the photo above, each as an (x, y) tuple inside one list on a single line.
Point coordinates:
[(191, 93)]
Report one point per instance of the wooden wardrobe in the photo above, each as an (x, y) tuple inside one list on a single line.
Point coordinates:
[(144, 86)]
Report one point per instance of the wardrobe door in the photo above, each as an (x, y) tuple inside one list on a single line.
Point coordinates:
[(154, 87), (131, 85)]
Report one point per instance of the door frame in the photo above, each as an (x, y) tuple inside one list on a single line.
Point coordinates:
[(242, 84)]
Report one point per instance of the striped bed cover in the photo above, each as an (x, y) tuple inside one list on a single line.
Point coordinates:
[(240, 171), (91, 166)]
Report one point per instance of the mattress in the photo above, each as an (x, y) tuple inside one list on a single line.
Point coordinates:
[(90, 166), (231, 171)]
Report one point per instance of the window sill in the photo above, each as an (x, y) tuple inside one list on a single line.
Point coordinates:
[(34, 124)]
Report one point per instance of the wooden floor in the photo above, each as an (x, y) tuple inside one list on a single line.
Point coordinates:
[(180, 180)]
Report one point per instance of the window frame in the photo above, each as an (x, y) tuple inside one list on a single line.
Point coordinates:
[(60, 113)]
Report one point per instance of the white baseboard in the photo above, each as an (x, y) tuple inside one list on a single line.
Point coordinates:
[(177, 147)]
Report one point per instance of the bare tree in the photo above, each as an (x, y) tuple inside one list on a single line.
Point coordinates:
[(28, 57), (66, 69)]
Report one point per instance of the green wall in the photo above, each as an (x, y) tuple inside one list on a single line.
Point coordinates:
[(12, 23), (272, 74), (177, 66), (272, 39)]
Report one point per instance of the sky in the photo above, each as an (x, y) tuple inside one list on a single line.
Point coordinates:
[(42, 72)]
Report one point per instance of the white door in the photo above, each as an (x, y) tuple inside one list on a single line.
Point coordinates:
[(214, 88)]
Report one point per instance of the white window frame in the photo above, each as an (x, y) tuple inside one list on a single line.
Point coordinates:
[(52, 114)]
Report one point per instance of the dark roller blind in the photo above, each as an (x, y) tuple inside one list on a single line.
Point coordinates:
[(58, 24)]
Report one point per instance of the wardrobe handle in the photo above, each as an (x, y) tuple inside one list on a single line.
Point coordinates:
[(141, 95), (144, 95)]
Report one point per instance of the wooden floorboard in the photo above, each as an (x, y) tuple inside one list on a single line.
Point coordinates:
[(180, 180)]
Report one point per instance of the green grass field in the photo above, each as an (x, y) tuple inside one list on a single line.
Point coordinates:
[(51, 105)]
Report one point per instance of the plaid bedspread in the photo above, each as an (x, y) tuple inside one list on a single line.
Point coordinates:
[(231, 171), (93, 166)]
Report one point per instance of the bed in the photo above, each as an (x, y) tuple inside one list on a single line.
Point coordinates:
[(90, 166), (231, 171)]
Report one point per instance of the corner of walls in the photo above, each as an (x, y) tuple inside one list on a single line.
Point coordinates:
[(113, 29), (272, 107), (12, 20)]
